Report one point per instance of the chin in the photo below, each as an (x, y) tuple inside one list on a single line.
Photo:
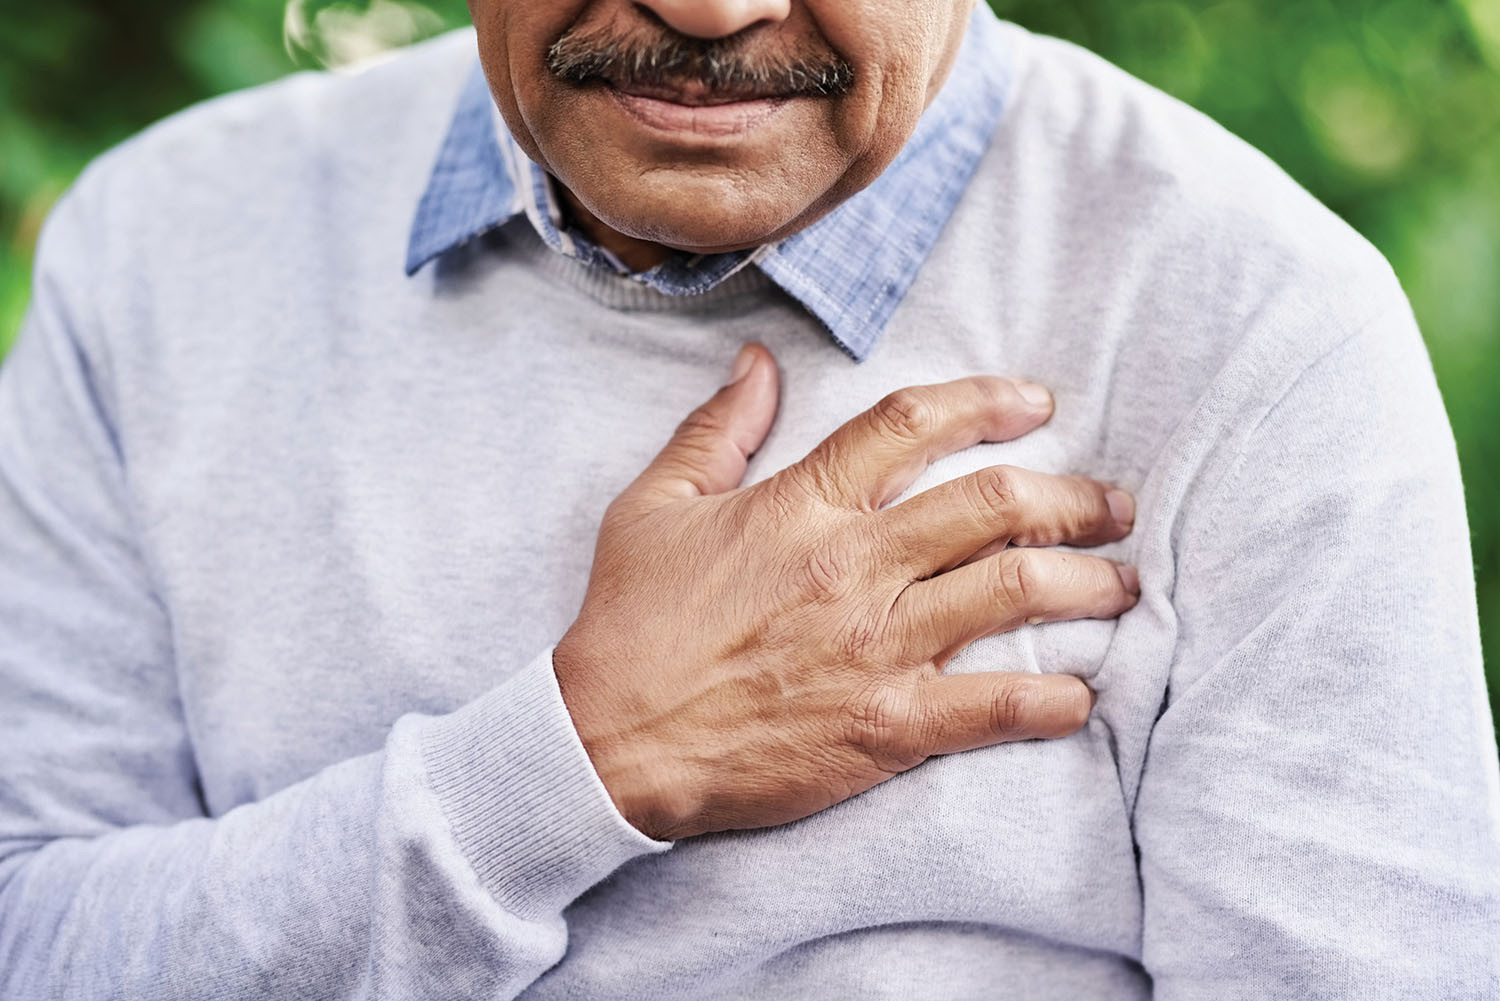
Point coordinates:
[(703, 215), (699, 234)]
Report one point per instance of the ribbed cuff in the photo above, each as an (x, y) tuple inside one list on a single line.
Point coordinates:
[(522, 797)]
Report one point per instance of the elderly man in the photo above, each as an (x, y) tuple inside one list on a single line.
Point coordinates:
[(318, 682)]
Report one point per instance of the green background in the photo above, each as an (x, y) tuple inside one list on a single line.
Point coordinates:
[(1387, 111)]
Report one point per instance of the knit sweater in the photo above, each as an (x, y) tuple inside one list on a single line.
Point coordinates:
[(286, 538)]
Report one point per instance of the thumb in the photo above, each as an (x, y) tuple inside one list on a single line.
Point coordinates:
[(710, 449)]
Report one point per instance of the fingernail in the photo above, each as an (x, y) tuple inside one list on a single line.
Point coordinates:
[(1121, 507), (1034, 394), (1130, 578), (1093, 698), (742, 363)]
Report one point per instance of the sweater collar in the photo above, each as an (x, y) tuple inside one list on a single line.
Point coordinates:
[(850, 269)]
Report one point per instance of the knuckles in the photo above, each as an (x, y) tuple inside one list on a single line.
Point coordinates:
[(1011, 709), (906, 415), (884, 722), (1018, 578), (824, 574), (995, 490), (701, 424), (1024, 707), (793, 495)]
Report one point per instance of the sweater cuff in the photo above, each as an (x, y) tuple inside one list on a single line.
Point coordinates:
[(523, 799)]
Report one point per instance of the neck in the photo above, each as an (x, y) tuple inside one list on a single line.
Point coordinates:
[(637, 255)]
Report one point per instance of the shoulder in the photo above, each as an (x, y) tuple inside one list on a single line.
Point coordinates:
[(303, 176), (1136, 190), (1158, 160), (1111, 225), (246, 159), (221, 216), (1264, 335), (378, 103), (1169, 281)]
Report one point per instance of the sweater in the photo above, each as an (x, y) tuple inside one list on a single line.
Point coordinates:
[(286, 538)]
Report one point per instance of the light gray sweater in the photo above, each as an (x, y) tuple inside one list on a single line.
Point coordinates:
[(286, 538)]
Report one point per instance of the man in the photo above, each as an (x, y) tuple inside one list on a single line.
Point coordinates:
[(319, 686)]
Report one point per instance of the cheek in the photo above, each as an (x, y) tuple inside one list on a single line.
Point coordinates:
[(513, 40), (900, 51), (874, 122)]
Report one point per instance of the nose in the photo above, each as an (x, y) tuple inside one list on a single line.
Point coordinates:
[(716, 18)]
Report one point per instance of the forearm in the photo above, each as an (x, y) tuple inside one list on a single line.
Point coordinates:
[(438, 866)]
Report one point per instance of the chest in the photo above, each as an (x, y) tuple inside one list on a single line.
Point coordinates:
[(399, 534)]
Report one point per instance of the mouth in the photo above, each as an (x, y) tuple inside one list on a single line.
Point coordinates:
[(693, 109), (719, 120), (703, 92)]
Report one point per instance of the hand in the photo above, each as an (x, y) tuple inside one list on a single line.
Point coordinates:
[(746, 657)]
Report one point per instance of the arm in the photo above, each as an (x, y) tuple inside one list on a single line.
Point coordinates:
[(1318, 814), (437, 867)]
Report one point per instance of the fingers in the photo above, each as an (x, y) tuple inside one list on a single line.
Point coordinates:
[(872, 458), (1000, 505), (940, 616), (710, 449), (959, 712)]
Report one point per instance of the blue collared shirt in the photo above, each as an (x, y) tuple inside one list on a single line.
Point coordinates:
[(850, 269)]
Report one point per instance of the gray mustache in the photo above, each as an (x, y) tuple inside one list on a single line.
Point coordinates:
[(719, 64)]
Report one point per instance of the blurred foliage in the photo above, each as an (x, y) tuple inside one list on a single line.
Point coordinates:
[(1387, 110)]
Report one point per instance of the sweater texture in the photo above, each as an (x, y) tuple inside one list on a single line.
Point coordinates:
[(286, 538)]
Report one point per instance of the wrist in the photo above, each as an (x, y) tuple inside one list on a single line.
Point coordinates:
[(512, 753), (643, 789), (643, 779)]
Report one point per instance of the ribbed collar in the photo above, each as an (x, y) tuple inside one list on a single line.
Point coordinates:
[(850, 269)]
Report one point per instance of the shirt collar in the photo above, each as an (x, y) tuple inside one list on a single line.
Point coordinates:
[(850, 269)]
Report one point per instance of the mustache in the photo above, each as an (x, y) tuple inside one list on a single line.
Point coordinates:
[(657, 56)]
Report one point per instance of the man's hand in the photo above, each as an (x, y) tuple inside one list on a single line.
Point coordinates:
[(745, 657)]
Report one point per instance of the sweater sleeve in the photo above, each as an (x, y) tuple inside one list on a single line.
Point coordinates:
[(1319, 812), (438, 866)]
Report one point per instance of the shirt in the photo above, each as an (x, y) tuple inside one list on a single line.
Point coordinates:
[(286, 537)]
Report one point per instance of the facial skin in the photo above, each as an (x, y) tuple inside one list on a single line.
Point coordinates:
[(816, 98)]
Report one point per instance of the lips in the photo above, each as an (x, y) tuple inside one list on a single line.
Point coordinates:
[(708, 121), (691, 110), (691, 93)]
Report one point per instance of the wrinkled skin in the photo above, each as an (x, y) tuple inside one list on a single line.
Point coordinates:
[(632, 185)]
